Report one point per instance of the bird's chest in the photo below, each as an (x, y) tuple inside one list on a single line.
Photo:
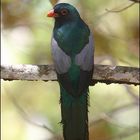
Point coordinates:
[(70, 40)]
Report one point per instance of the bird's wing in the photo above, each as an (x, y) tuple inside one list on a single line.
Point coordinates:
[(85, 58), (62, 61)]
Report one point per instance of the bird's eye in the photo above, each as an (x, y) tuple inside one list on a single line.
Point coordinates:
[(64, 12)]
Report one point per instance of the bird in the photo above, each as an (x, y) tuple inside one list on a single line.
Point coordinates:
[(73, 57)]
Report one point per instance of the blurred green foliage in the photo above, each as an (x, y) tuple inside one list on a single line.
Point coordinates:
[(26, 36)]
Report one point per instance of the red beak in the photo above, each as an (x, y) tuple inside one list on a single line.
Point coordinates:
[(51, 13)]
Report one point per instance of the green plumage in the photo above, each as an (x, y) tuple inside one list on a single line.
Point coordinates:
[(74, 116), (72, 35), (74, 40), (74, 110)]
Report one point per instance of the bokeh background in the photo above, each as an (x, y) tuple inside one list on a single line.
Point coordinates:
[(25, 39)]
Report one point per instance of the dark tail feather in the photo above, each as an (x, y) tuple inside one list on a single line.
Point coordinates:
[(74, 116)]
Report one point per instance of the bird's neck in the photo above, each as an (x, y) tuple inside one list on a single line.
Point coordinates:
[(59, 22)]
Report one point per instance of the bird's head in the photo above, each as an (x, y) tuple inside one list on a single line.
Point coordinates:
[(64, 12)]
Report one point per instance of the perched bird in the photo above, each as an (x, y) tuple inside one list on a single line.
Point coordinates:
[(72, 51)]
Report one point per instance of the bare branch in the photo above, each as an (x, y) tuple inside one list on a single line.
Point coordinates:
[(106, 116), (116, 11), (102, 73), (26, 116), (136, 1), (132, 94)]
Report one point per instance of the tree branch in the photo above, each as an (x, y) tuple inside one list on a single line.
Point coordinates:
[(120, 10), (102, 73), (136, 1), (107, 117)]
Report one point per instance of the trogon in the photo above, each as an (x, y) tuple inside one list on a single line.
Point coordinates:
[(73, 56)]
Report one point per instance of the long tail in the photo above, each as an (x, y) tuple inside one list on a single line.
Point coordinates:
[(74, 111)]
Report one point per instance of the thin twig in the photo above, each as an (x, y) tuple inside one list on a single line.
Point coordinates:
[(130, 92), (98, 119), (25, 115), (136, 1), (117, 11)]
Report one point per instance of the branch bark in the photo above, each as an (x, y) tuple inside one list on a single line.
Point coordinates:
[(102, 73)]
